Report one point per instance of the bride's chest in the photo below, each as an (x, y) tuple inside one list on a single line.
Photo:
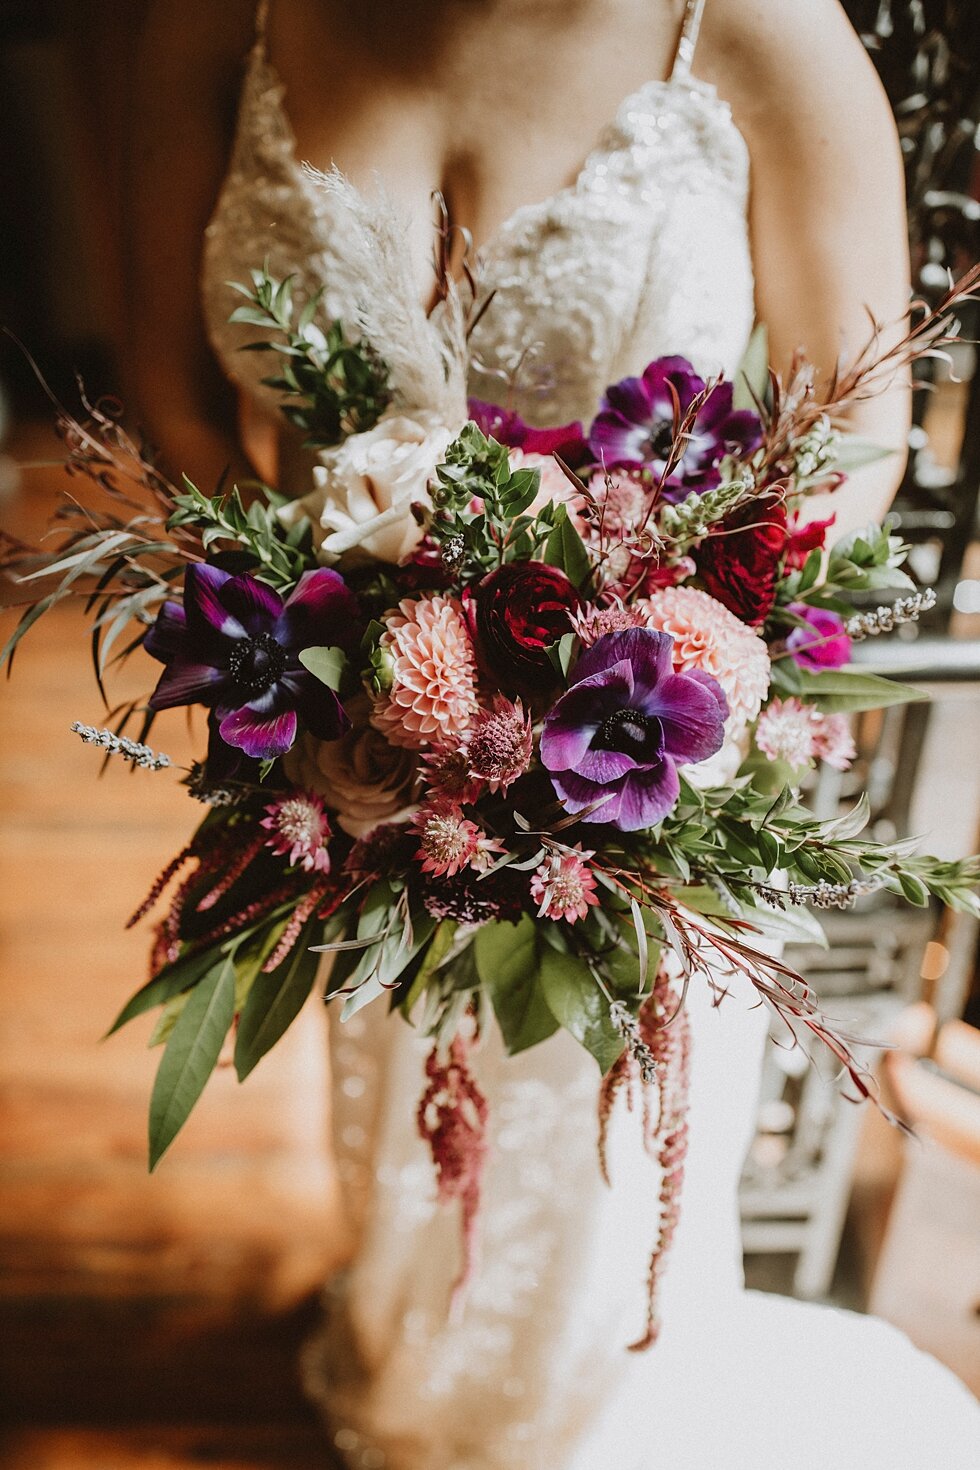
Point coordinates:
[(646, 252)]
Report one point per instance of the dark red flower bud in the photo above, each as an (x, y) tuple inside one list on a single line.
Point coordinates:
[(740, 566), (514, 613)]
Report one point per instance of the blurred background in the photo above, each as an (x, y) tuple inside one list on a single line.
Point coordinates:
[(156, 1322)]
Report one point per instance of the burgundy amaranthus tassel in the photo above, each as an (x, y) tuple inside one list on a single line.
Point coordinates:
[(671, 1048), (294, 928), (452, 1118)]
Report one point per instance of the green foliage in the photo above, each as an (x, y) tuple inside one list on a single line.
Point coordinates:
[(282, 555), (841, 690), (275, 999), (332, 385), (191, 1055), (326, 664), (575, 1000), (508, 965), (477, 468)]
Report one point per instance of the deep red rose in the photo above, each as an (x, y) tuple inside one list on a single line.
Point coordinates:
[(514, 613), (804, 539), (740, 567)]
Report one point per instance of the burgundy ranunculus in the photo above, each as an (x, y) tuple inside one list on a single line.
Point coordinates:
[(804, 538), (513, 614), (821, 642), (635, 426), (567, 440), (234, 646), (740, 566)]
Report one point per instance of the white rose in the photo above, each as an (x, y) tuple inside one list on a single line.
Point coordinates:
[(366, 487)]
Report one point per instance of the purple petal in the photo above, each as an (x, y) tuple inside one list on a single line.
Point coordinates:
[(604, 766), (317, 706), (648, 652), (693, 719), (205, 611), (576, 794), (679, 372), (166, 638), (614, 440), (717, 407), (185, 682), (630, 398), (742, 430), (645, 797), (255, 606), (321, 609), (263, 737), (570, 726)]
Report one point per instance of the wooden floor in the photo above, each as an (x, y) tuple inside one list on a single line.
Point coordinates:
[(176, 1299)]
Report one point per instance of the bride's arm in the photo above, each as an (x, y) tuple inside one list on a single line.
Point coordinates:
[(829, 232), (182, 106)]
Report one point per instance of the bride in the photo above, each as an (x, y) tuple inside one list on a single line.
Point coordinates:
[(600, 153)]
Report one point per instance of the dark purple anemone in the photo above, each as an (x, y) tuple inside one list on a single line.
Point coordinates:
[(234, 646), (635, 426), (567, 440), (626, 722)]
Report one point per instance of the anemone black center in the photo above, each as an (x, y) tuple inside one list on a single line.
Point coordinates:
[(660, 439), (632, 732), (256, 663)]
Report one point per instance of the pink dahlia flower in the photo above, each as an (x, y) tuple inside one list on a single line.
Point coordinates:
[(300, 830), (787, 732), (710, 638), (432, 697), (833, 740), (563, 885)]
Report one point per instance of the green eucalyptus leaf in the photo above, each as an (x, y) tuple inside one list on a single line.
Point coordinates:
[(274, 1001), (565, 549), (167, 982), (325, 664), (191, 1055), (845, 690), (577, 1003), (507, 964)]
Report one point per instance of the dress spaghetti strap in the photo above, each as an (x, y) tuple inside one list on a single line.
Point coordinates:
[(684, 56)]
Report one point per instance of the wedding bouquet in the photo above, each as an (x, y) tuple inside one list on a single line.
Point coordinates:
[(508, 720)]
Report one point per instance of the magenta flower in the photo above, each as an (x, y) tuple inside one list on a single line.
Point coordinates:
[(614, 741), (821, 642), (635, 426), (234, 646), (568, 440)]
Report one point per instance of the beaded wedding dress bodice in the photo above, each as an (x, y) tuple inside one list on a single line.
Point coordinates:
[(646, 253)]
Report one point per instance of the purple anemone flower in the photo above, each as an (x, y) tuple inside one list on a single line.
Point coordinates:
[(625, 724), (821, 641), (234, 646), (635, 426)]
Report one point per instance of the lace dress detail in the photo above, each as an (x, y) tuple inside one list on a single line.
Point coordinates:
[(646, 253)]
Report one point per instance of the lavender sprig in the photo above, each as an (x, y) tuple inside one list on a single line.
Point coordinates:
[(822, 895), (629, 1029), (130, 750), (886, 619)]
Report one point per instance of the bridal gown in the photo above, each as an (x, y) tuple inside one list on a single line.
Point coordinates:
[(646, 253)]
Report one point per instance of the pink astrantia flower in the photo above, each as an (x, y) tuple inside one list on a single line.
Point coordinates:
[(432, 698), (563, 885), (449, 841), (787, 732), (300, 830), (710, 638), (498, 746), (593, 623), (833, 741)]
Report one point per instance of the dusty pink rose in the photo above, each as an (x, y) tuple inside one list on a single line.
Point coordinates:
[(364, 779)]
